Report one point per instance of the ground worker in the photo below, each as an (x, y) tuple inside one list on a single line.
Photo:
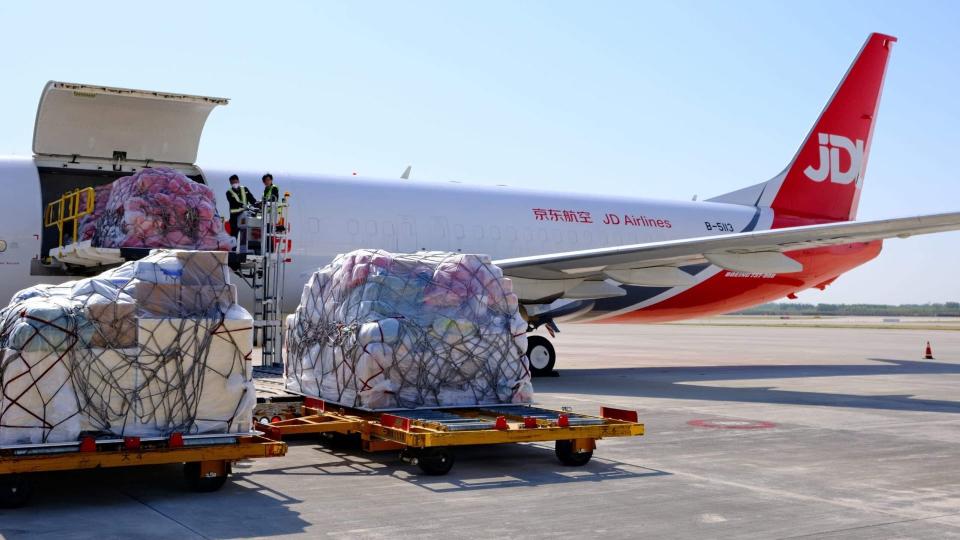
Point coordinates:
[(271, 193), (238, 197)]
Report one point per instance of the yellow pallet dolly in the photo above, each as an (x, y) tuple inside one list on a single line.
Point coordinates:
[(427, 436), (207, 459)]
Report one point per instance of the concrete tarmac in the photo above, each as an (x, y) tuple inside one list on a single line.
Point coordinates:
[(753, 432)]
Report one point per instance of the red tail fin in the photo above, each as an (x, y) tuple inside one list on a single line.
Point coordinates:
[(823, 181)]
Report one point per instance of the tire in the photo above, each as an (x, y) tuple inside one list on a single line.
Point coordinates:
[(202, 484), (15, 490), (568, 457), (542, 356), (435, 461)]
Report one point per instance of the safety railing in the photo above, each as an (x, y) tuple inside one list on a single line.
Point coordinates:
[(67, 210)]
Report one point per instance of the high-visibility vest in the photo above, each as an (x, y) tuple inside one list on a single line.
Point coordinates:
[(239, 199), (271, 193)]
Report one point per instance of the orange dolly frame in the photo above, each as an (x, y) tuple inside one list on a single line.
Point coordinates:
[(207, 459), (427, 436)]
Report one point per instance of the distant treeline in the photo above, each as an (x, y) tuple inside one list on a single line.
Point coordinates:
[(946, 309)]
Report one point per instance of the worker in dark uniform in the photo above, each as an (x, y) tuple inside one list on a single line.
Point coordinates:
[(238, 197), (271, 193)]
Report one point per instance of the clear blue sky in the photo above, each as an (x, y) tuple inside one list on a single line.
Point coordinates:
[(660, 99)]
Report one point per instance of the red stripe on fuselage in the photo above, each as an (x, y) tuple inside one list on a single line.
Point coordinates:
[(722, 294)]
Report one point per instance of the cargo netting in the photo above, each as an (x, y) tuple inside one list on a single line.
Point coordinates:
[(146, 349), (378, 330), (155, 208)]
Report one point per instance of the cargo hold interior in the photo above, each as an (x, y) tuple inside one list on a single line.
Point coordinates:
[(54, 182)]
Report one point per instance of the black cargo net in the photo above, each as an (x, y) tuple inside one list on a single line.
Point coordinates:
[(379, 330), (147, 349)]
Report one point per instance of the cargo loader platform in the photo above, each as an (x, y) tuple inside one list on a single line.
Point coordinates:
[(427, 437), (82, 259), (207, 459)]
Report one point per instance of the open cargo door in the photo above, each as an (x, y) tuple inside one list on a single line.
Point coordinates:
[(100, 122), (87, 136)]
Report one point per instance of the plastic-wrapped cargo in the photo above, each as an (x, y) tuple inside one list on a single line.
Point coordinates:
[(378, 330), (88, 224), (155, 208), (149, 348)]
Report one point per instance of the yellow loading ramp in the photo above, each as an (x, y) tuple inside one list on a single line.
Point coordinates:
[(207, 459), (427, 436)]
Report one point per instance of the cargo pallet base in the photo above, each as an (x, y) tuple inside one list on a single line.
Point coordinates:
[(427, 437), (207, 459)]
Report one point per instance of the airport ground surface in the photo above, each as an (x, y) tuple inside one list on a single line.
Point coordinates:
[(856, 437)]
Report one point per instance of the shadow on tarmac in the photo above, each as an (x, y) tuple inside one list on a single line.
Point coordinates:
[(476, 468), (86, 498), (687, 383)]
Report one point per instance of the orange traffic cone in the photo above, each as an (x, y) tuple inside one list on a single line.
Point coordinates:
[(928, 354)]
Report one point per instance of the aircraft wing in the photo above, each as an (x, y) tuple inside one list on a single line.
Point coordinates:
[(656, 263)]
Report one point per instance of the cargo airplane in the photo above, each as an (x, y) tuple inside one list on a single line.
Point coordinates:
[(572, 257)]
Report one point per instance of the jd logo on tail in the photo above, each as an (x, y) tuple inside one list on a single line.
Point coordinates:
[(830, 146)]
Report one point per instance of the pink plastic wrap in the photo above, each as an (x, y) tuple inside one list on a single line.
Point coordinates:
[(156, 208), (88, 225)]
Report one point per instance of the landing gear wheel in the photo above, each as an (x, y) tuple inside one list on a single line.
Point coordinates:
[(435, 461), (567, 455), (542, 356), (15, 490), (196, 481)]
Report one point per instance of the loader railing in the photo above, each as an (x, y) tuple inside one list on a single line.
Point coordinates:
[(67, 210)]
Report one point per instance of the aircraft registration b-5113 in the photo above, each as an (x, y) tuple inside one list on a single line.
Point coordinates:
[(572, 257)]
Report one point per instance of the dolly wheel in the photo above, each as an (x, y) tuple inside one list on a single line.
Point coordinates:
[(435, 461), (541, 354), (206, 477), (15, 490), (567, 455)]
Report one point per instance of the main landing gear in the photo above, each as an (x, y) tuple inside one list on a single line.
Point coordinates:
[(540, 352)]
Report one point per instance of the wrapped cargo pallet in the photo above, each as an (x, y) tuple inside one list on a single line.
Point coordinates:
[(378, 330), (155, 208), (147, 349)]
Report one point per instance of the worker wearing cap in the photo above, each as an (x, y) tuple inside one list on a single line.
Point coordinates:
[(271, 193), (238, 197)]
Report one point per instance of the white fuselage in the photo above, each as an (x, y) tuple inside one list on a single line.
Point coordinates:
[(330, 215)]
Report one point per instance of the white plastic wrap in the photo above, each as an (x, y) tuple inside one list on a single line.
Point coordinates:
[(378, 330), (147, 349)]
